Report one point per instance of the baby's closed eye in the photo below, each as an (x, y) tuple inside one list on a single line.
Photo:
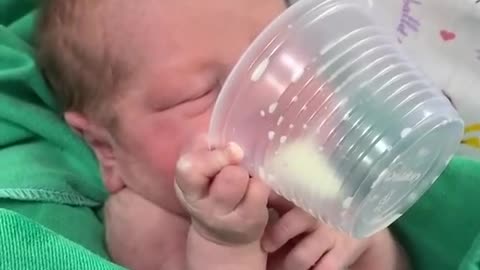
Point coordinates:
[(200, 104)]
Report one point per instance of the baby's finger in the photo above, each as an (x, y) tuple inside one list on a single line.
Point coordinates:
[(290, 225), (256, 196), (279, 203), (195, 170), (255, 201), (332, 261), (228, 188), (309, 250)]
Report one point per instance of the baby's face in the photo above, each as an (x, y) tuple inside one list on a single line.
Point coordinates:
[(185, 50)]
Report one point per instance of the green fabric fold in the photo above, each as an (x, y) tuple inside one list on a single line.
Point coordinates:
[(50, 188), (440, 230), (35, 142), (25, 244)]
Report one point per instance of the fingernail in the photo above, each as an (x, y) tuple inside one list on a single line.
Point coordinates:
[(236, 151), (268, 246)]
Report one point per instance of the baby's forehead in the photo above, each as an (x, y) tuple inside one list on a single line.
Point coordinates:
[(183, 47)]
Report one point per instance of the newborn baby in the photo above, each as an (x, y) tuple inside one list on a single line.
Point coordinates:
[(137, 80)]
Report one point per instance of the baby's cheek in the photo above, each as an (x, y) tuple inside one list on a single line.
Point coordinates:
[(163, 141), (163, 159), (162, 146)]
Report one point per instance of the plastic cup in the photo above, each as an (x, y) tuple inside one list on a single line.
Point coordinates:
[(334, 117)]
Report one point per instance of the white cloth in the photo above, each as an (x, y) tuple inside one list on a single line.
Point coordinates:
[(443, 38)]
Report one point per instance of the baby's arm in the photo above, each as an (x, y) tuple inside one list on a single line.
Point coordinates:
[(205, 254), (228, 209)]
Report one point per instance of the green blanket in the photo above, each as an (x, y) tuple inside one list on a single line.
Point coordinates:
[(51, 194), (50, 189)]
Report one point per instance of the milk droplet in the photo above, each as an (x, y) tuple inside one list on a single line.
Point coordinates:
[(290, 26), (295, 99), (272, 107), (283, 139), (320, 148), (258, 72), (271, 135), (297, 75), (405, 132), (291, 126), (280, 120), (347, 203), (305, 126), (262, 113)]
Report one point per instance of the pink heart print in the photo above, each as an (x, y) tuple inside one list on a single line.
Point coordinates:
[(447, 35)]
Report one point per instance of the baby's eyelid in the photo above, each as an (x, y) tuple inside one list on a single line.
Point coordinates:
[(193, 99)]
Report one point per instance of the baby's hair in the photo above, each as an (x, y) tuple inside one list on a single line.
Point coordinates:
[(73, 51)]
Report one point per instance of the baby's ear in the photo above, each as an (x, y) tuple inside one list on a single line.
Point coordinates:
[(77, 122), (101, 143)]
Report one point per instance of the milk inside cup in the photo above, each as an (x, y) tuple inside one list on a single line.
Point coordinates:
[(334, 117)]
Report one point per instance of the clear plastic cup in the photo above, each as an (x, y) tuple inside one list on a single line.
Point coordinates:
[(334, 117)]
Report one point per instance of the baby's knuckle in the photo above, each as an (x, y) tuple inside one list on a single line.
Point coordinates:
[(301, 259), (184, 162), (284, 228), (219, 158)]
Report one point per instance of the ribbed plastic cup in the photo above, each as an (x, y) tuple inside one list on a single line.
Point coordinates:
[(334, 117)]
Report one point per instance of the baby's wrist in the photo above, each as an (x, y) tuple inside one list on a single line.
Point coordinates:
[(222, 237), (213, 254)]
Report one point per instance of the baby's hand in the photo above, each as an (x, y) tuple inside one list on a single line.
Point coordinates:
[(316, 245), (227, 206)]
